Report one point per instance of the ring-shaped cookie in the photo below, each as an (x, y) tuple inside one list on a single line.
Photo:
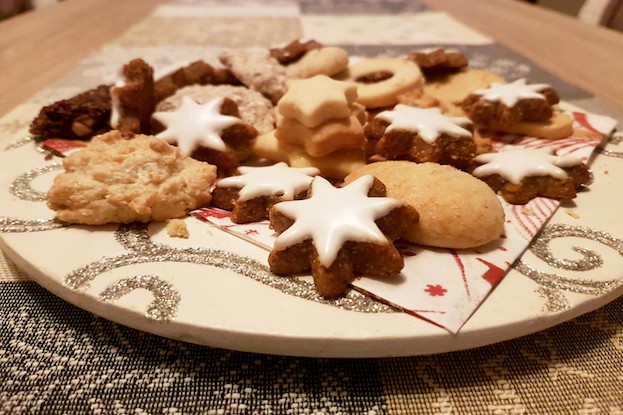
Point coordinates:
[(402, 75)]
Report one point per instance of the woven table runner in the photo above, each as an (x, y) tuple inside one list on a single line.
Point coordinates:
[(58, 359)]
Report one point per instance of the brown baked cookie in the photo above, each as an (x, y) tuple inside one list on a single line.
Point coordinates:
[(438, 59), (254, 108), (510, 104), (339, 233), (251, 193), (422, 135), (519, 175), (133, 98), (211, 132), (195, 73), (257, 70), (79, 117), (293, 51)]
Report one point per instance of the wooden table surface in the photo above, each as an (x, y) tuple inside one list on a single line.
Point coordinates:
[(586, 56), (39, 47)]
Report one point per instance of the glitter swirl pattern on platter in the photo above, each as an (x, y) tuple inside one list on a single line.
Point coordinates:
[(15, 225), (616, 138), (553, 286), (22, 186), (19, 143), (142, 249), (166, 298)]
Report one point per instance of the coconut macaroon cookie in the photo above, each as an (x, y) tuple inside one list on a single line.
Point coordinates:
[(120, 180), (455, 210)]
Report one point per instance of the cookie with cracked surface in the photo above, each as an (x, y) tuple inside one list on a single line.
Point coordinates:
[(456, 209), (119, 180)]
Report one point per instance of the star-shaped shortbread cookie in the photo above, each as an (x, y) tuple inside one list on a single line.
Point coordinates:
[(315, 100)]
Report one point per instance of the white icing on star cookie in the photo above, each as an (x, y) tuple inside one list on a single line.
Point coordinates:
[(513, 163), (509, 94), (116, 109), (193, 125), (428, 123), (278, 179), (331, 216)]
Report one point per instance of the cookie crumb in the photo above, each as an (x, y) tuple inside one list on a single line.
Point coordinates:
[(572, 213), (527, 211), (176, 228)]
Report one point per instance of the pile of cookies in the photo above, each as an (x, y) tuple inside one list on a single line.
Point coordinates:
[(342, 155)]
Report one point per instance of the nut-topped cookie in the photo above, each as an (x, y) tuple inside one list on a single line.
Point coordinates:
[(80, 117)]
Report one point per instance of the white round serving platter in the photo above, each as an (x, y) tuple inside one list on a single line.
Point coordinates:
[(220, 307)]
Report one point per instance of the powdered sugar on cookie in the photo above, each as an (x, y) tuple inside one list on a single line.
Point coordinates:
[(193, 125), (514, 164), (331, 216), (429, 123), (278, 179)]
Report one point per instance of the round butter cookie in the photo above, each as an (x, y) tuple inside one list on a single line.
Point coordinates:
[(456, 211)]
